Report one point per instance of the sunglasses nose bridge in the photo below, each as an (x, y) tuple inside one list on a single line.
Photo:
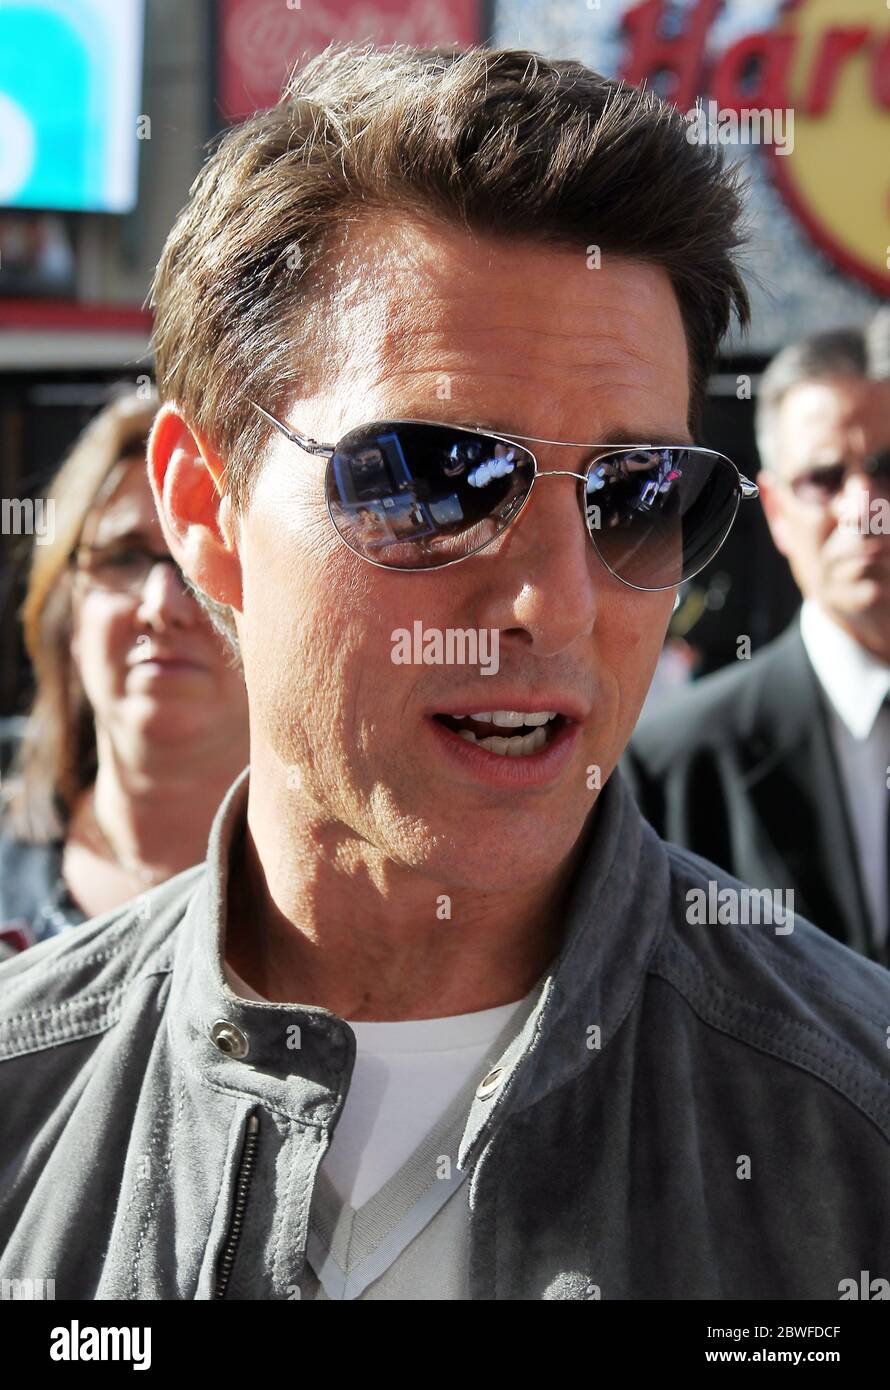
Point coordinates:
[(562, 473), (559, 473)]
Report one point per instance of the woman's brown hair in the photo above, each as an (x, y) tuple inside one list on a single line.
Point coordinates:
[(57, 756)]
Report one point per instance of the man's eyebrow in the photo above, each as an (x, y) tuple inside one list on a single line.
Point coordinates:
[(446, 417), (625, 437), (620, 438)]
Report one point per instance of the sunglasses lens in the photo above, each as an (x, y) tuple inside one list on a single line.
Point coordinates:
[(416, 496), (657, 516)]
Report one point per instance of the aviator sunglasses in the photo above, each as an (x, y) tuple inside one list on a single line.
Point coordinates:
[(419, 495)]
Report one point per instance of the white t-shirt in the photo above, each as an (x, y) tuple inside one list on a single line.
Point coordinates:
[(405, 1077)]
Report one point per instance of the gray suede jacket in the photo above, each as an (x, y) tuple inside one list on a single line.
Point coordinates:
[(692, 1109)]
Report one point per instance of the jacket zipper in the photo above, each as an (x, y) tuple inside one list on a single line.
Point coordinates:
[(242, 1184)]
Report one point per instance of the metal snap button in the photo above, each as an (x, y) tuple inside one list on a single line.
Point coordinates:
[(229, 1039), (489, 1084)]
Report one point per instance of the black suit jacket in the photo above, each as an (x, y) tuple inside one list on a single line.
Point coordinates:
[(740, 768)]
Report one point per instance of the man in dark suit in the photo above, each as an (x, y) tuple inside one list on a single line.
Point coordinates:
[(778, 768)]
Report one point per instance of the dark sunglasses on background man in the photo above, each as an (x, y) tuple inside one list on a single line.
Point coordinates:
[(825, 481), (416, 495)]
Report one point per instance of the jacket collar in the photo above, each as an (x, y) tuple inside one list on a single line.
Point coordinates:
[(300, 1058), (616, 912), (794, 781), (781, 708)]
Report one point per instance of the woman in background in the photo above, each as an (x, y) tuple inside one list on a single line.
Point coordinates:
[(139, 719)]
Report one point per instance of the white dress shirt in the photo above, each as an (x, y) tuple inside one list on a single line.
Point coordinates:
[(857, 685)]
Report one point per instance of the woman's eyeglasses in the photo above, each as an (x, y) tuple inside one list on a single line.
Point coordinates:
[(416, 495), (120, 568), (819, 485)]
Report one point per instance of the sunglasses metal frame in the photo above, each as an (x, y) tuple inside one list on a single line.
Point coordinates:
[(746, 488)]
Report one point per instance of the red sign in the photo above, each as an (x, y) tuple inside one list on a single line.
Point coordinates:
[(259, 41), (827, 62)]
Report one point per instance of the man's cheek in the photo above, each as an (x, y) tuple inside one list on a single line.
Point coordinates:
[(638, 640)]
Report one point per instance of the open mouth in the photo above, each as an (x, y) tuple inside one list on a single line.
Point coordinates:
[(507, 733)]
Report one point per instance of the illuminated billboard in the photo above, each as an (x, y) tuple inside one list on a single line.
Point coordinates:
[(70, 87)]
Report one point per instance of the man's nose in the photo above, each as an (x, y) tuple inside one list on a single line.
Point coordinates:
[(164, 600), (551, 571)]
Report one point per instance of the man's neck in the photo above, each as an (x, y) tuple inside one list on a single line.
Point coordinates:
[(872, 634), (327, 929)]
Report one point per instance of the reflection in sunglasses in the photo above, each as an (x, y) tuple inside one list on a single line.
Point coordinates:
[(411, 497), (503, 462), (660, 465)]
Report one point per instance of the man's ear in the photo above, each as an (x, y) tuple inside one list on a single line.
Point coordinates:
[(773, 498), (196, 516)]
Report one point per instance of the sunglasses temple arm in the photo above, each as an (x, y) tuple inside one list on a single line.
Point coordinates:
[(303, 441), (749, 489)]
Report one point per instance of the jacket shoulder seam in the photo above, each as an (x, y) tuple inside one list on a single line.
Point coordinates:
[(70, 1020), (730, 1021)]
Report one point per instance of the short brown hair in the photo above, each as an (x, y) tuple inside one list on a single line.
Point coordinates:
[(837, 353), (501, 142)]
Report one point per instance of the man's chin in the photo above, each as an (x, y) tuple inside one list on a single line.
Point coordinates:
[(866, 595)]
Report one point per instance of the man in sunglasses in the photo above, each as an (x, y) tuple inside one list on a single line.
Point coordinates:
[(440, 1018), (778, 769)]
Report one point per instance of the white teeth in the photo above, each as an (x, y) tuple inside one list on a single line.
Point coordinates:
[(513, 718), (536, 740), (507, 718), (513, 747)]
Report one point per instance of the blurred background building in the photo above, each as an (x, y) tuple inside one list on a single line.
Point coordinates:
[(106, 107)]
